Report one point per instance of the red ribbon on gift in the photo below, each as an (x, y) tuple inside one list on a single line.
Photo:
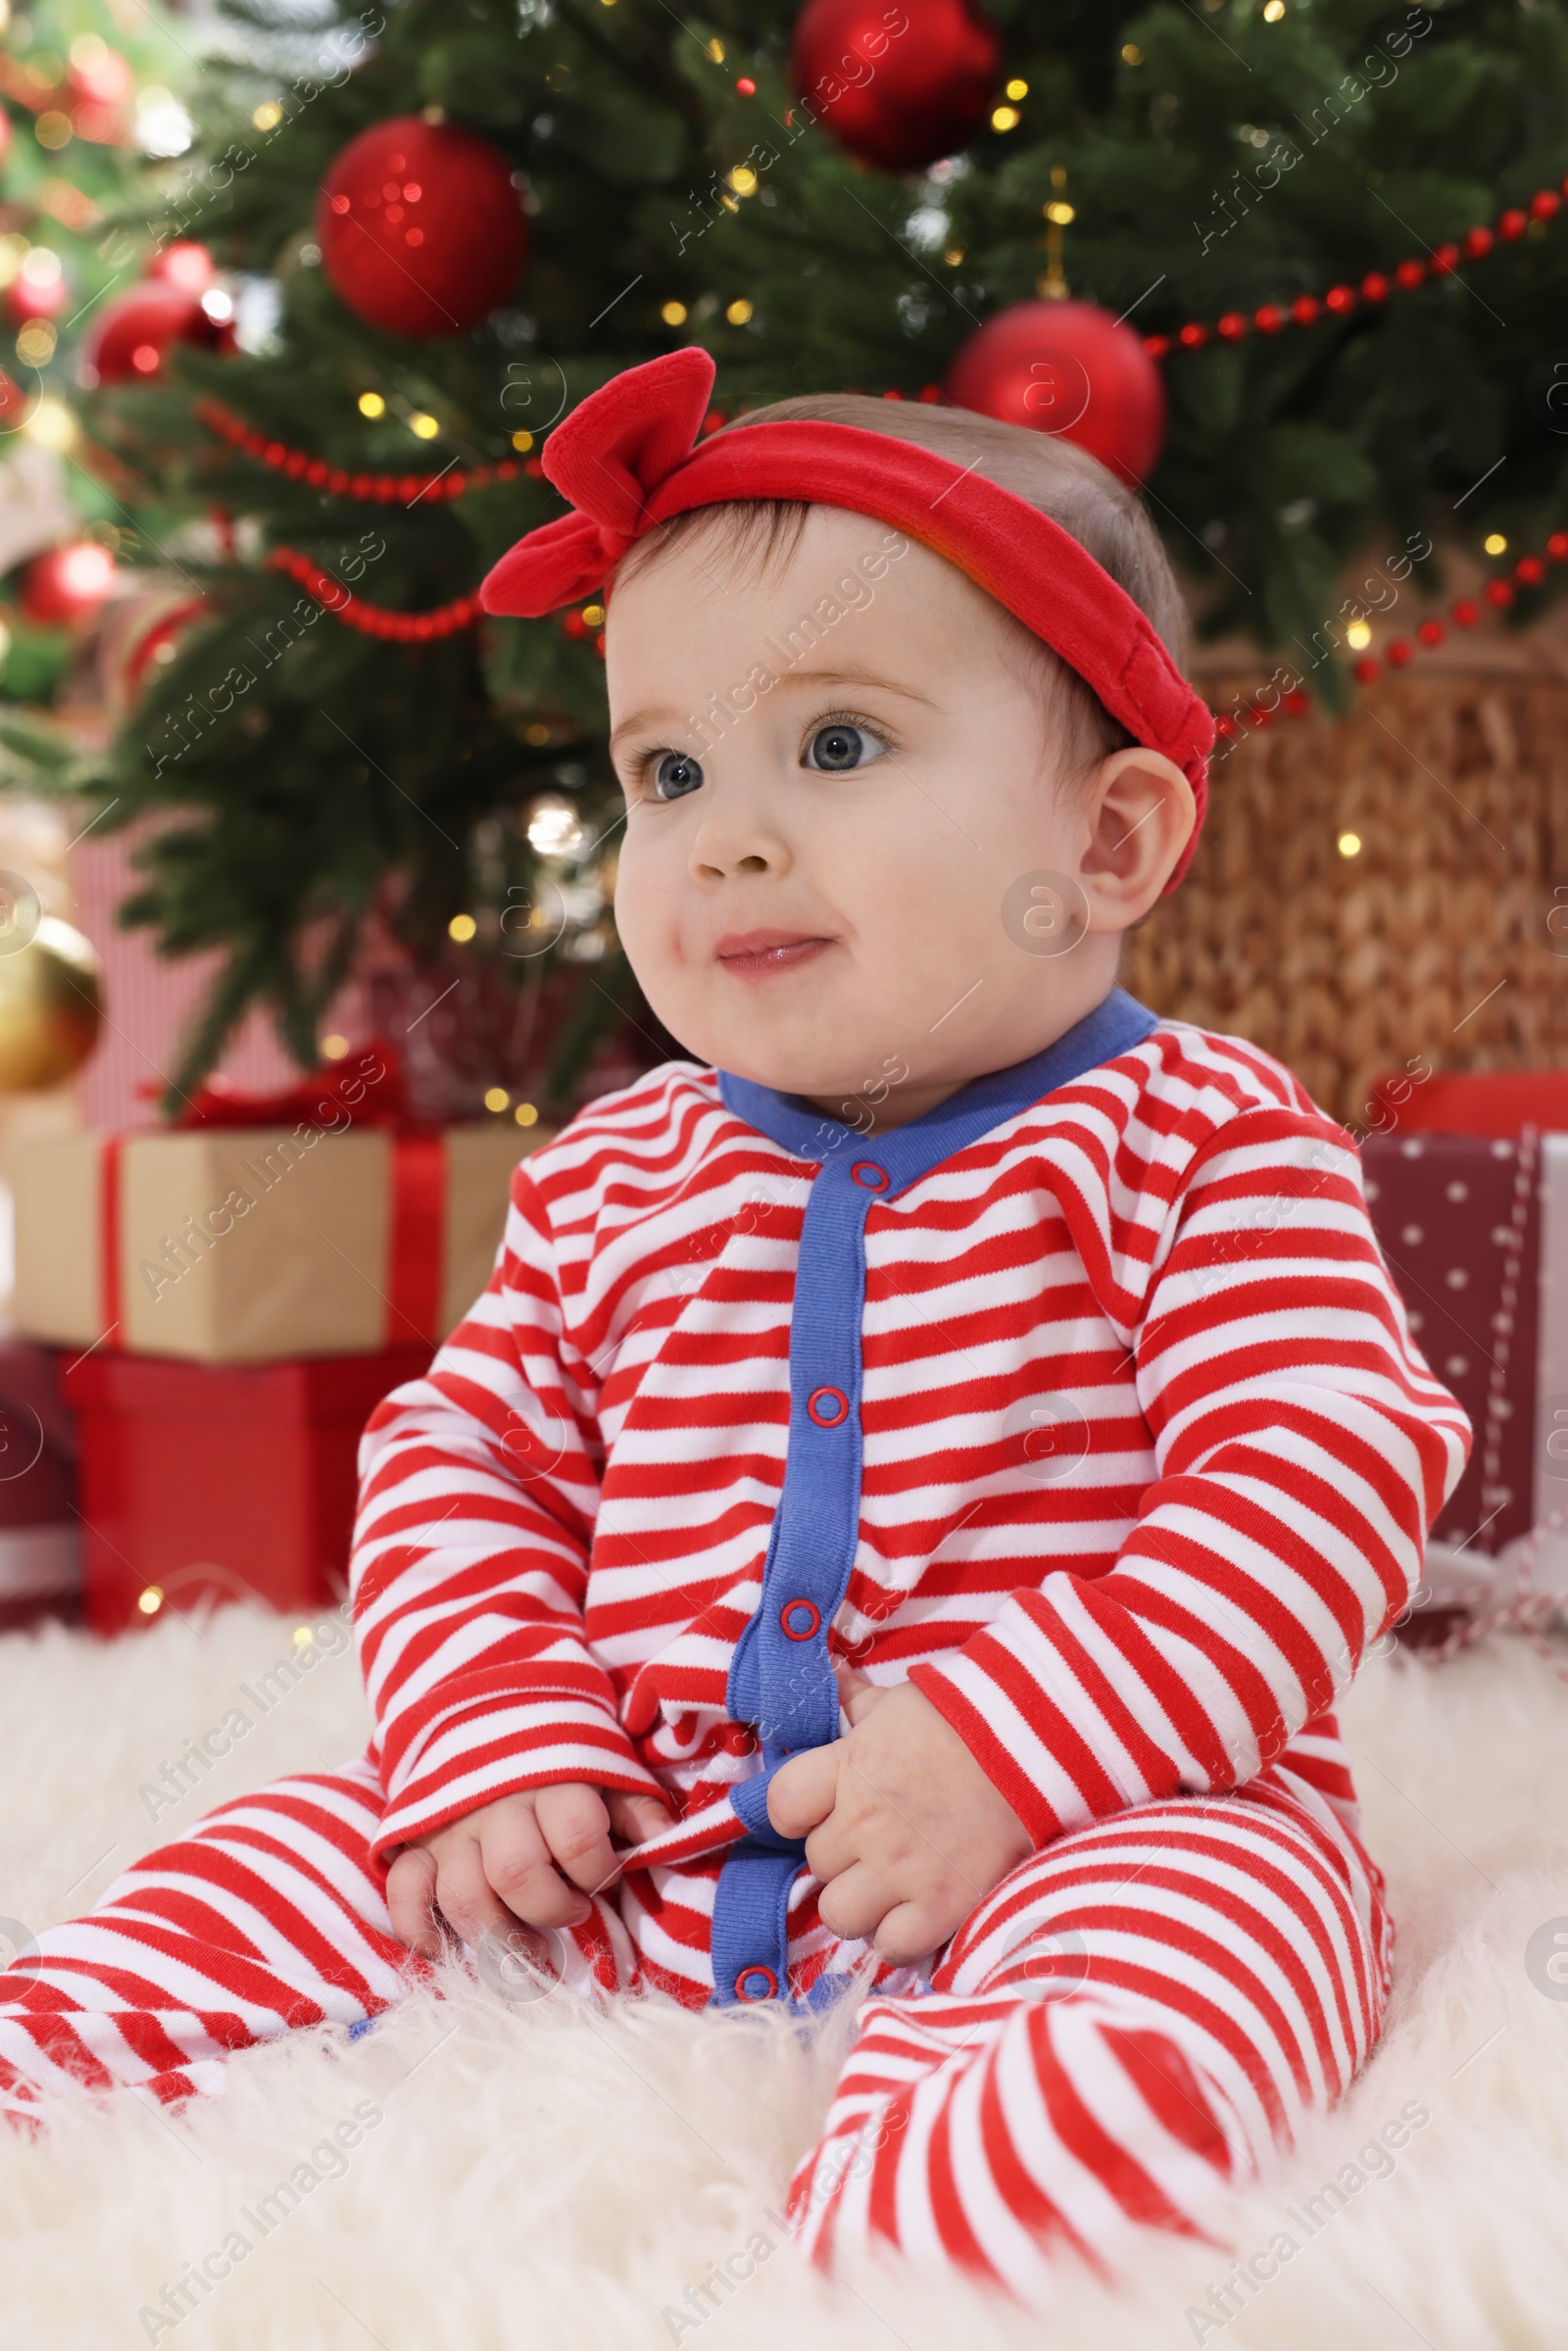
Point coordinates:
[(369, 1091)]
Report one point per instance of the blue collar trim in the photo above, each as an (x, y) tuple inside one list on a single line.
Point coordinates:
[(908, 1152)]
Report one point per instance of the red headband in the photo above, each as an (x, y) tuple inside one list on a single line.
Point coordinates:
[(628, 458)]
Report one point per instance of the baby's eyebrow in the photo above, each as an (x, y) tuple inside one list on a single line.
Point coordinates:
[(659, 714), (637, 723), (857, 677)]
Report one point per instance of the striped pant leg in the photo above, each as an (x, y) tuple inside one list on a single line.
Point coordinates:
[(268, 1916), (1122, 2033)]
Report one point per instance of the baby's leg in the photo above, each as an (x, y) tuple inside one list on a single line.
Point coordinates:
[(1123, 2031), (268, 1916)]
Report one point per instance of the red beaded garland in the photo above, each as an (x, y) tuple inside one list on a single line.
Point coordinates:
[(1307, 309)]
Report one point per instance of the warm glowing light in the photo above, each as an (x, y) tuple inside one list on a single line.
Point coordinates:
[(35, 345), (52, 425), (1358, 636), (426, 427), (497, 1098), (371, 404), (42, 267), (743, 180), (954, 255), (333, 1048), (715, 50), (522, 441), (1017, 89), (537, 734), (1059, 214), (462, 927), (1273, 11), (1131, 54), (268, 116), (53, 130), (87, 50), (1006, 118), (525, 1115), (554, 829), (150, 1600), (302, 1637), (1494, 542), (594, 614), (673, 314), (87, 571), (739, 312), (1349, 845)]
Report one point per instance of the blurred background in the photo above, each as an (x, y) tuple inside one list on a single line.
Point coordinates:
[(291, 297)]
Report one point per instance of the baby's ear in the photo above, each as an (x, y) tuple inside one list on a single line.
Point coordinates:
[(1139, 813)]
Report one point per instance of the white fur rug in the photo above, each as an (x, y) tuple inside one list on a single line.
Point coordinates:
[(540, 2176)]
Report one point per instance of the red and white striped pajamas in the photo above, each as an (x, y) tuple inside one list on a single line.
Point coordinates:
[(1142, 1458)]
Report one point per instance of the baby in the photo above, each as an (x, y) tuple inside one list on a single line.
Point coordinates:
[(897, 1522)]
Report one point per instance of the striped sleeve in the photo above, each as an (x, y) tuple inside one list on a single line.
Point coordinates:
[(479, 1486), (1302, 1450)]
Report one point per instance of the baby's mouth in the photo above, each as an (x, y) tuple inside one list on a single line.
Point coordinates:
[(752, 954)]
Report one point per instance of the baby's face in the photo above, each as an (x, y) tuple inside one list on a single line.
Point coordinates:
[(834, 775)]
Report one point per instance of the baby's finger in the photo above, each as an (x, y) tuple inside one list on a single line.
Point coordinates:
[(854, 1904), (910, 1932), (463, 1894), (801, 1793), (577, 1829), (518, 1867), (635, 1818), (411, 1899), (858, 1695)]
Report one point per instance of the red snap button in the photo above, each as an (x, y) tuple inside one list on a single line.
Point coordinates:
[(827, 1407), (800, 1619), (869, 1177), (757, 1983)]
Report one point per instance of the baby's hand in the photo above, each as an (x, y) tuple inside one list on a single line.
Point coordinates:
[(535, 1856), (901, 1824)]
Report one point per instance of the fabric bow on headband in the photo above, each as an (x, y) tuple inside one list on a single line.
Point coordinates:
[(628, 458)]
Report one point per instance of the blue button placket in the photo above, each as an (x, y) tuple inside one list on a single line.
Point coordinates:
[(782, 1679)]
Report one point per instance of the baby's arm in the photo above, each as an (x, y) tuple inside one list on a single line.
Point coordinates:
[(1302, 1450), (498, 1737)]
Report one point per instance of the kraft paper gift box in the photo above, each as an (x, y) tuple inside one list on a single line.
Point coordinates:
[(252, 1245)]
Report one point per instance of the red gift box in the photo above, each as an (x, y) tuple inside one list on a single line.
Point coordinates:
[(206, 1483), (1458, 1217), (40, 1551)]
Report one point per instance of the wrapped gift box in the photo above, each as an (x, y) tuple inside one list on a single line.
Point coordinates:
[(1458, 1218), (202, 1484), (41, 1542), (249, 1244), (1475, 1229)]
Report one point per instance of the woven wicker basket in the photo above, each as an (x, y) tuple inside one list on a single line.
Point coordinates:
[(1434, 940)]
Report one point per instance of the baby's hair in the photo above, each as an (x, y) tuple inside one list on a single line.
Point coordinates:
[(1062, 481)]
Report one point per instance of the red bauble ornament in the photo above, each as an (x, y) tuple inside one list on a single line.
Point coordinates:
[(67, 585), (186, 264), (39, 290), (130, 340), (897, 88), (421, 226), (98, 84), (1067, 368)]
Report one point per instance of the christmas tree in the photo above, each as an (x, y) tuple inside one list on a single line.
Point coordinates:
[(1329, 228), (85, 107)]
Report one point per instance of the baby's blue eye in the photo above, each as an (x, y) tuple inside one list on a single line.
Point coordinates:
[(839, 746), (676, 774)]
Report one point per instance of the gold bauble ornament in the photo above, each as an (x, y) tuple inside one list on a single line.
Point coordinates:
[(50, 1007)]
